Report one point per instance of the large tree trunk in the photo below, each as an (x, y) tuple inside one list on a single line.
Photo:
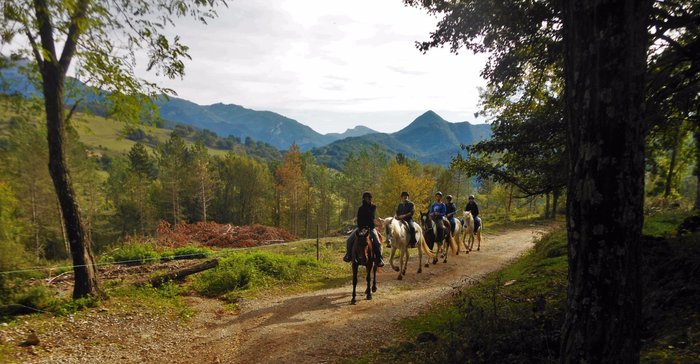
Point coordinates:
[(83, 260), (555, 202), (696, 135), (605, 58)]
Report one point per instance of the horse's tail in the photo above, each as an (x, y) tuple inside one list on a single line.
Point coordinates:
[(424, 247), (453, 244)]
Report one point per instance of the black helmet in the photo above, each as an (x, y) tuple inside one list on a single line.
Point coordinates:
[(449, 197), (404, 193), (366, 194), (471, 197), (438, 193)]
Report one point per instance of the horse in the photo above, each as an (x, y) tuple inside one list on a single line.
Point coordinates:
[(457, 236), (430, 235), (363, 254), (468, 236), (396, 231)]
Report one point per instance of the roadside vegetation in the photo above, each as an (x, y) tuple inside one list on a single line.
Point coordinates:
[(515, 315)]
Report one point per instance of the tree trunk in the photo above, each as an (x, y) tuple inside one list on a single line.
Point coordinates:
[(546, 207), (605, 58), (83, 260), (555, 202), (696, 135), (181, 273), (672, 165)]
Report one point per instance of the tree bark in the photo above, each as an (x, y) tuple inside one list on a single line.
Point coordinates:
[(696, 135), (555, 202), (605, 58), (546, 207), (83, 260), (159, 280)]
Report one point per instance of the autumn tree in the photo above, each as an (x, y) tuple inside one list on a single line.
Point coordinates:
[(292, 187), (100, 40)]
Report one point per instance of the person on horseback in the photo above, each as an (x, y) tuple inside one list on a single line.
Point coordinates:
[(437, 213), (450, 211), (474, 209), (405, 212), (365, 219)]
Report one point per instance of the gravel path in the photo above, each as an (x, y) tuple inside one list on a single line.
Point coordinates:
[(313, 327)]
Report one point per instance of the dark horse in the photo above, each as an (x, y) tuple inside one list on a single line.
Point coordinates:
[(362, 254), (432, 235)]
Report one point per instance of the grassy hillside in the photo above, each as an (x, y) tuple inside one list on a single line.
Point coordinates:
[(100, 134)]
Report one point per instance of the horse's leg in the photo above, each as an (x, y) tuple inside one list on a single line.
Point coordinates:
[(479, 238), (446, 244), (405, 263), (420, 259), (398, 269), (354, 282), (369, 280), (374, 282), (391, 259)]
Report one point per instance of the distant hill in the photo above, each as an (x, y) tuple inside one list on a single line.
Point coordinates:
[(428, 139), (236, 120)]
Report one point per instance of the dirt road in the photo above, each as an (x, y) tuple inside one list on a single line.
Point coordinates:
[(313, 327)]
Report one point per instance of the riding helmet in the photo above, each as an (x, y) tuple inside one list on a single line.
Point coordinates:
[(449, 197), (366, 194), (404, 193), (438, 193), (471, 197)]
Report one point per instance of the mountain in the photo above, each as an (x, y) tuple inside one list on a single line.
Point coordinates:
[(428, 139), (265, 126)]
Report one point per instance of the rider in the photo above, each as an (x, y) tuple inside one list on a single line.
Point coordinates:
[(437, 213), (405, 212), (365, 219), (450, 211), (474, 209)]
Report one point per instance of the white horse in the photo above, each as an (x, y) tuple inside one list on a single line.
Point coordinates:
[(397, 233), (457, 235), (469, 235)]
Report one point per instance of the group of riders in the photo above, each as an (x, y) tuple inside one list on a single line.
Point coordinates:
[(442, 214)]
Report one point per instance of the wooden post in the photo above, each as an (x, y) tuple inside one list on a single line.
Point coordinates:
[(318, 253)]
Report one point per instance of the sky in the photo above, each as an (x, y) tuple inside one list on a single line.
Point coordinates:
[(331, 65)]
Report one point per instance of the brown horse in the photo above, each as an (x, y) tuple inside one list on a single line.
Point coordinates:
[(363, 254)]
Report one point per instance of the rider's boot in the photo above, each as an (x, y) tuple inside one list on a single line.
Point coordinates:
[(377, 252), (348, 248)]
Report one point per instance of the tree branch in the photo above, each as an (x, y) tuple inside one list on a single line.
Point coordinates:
[(72, 111), (35, 48), (73, 33), (43, 17)]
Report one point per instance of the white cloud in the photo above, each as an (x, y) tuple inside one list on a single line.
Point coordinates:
[(329, 64)]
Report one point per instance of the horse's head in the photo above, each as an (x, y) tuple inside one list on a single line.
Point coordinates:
[(386, 227), (362, 246), (424, 220)]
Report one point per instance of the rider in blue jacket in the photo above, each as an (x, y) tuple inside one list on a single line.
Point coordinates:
[(437, 213)]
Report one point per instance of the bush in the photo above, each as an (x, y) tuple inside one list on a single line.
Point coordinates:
[(133, 254), (242, 271)]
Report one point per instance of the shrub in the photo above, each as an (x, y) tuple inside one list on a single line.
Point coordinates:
[(133, 254)]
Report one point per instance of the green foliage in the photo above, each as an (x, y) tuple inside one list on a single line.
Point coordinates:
[(40, 299), (136, 253), (242, 272)]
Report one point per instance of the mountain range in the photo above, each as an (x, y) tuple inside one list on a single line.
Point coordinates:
[(428, 139)]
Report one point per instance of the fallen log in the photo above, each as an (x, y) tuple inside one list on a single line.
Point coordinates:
[(181, 273)]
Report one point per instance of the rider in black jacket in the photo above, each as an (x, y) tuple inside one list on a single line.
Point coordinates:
[(474, 209), (405, 212), (450, 211), (365, 219)]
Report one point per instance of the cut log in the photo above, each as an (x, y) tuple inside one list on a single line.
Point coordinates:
[(181, 273)]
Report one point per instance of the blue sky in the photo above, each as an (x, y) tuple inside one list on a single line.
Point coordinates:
[(328, 64)]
